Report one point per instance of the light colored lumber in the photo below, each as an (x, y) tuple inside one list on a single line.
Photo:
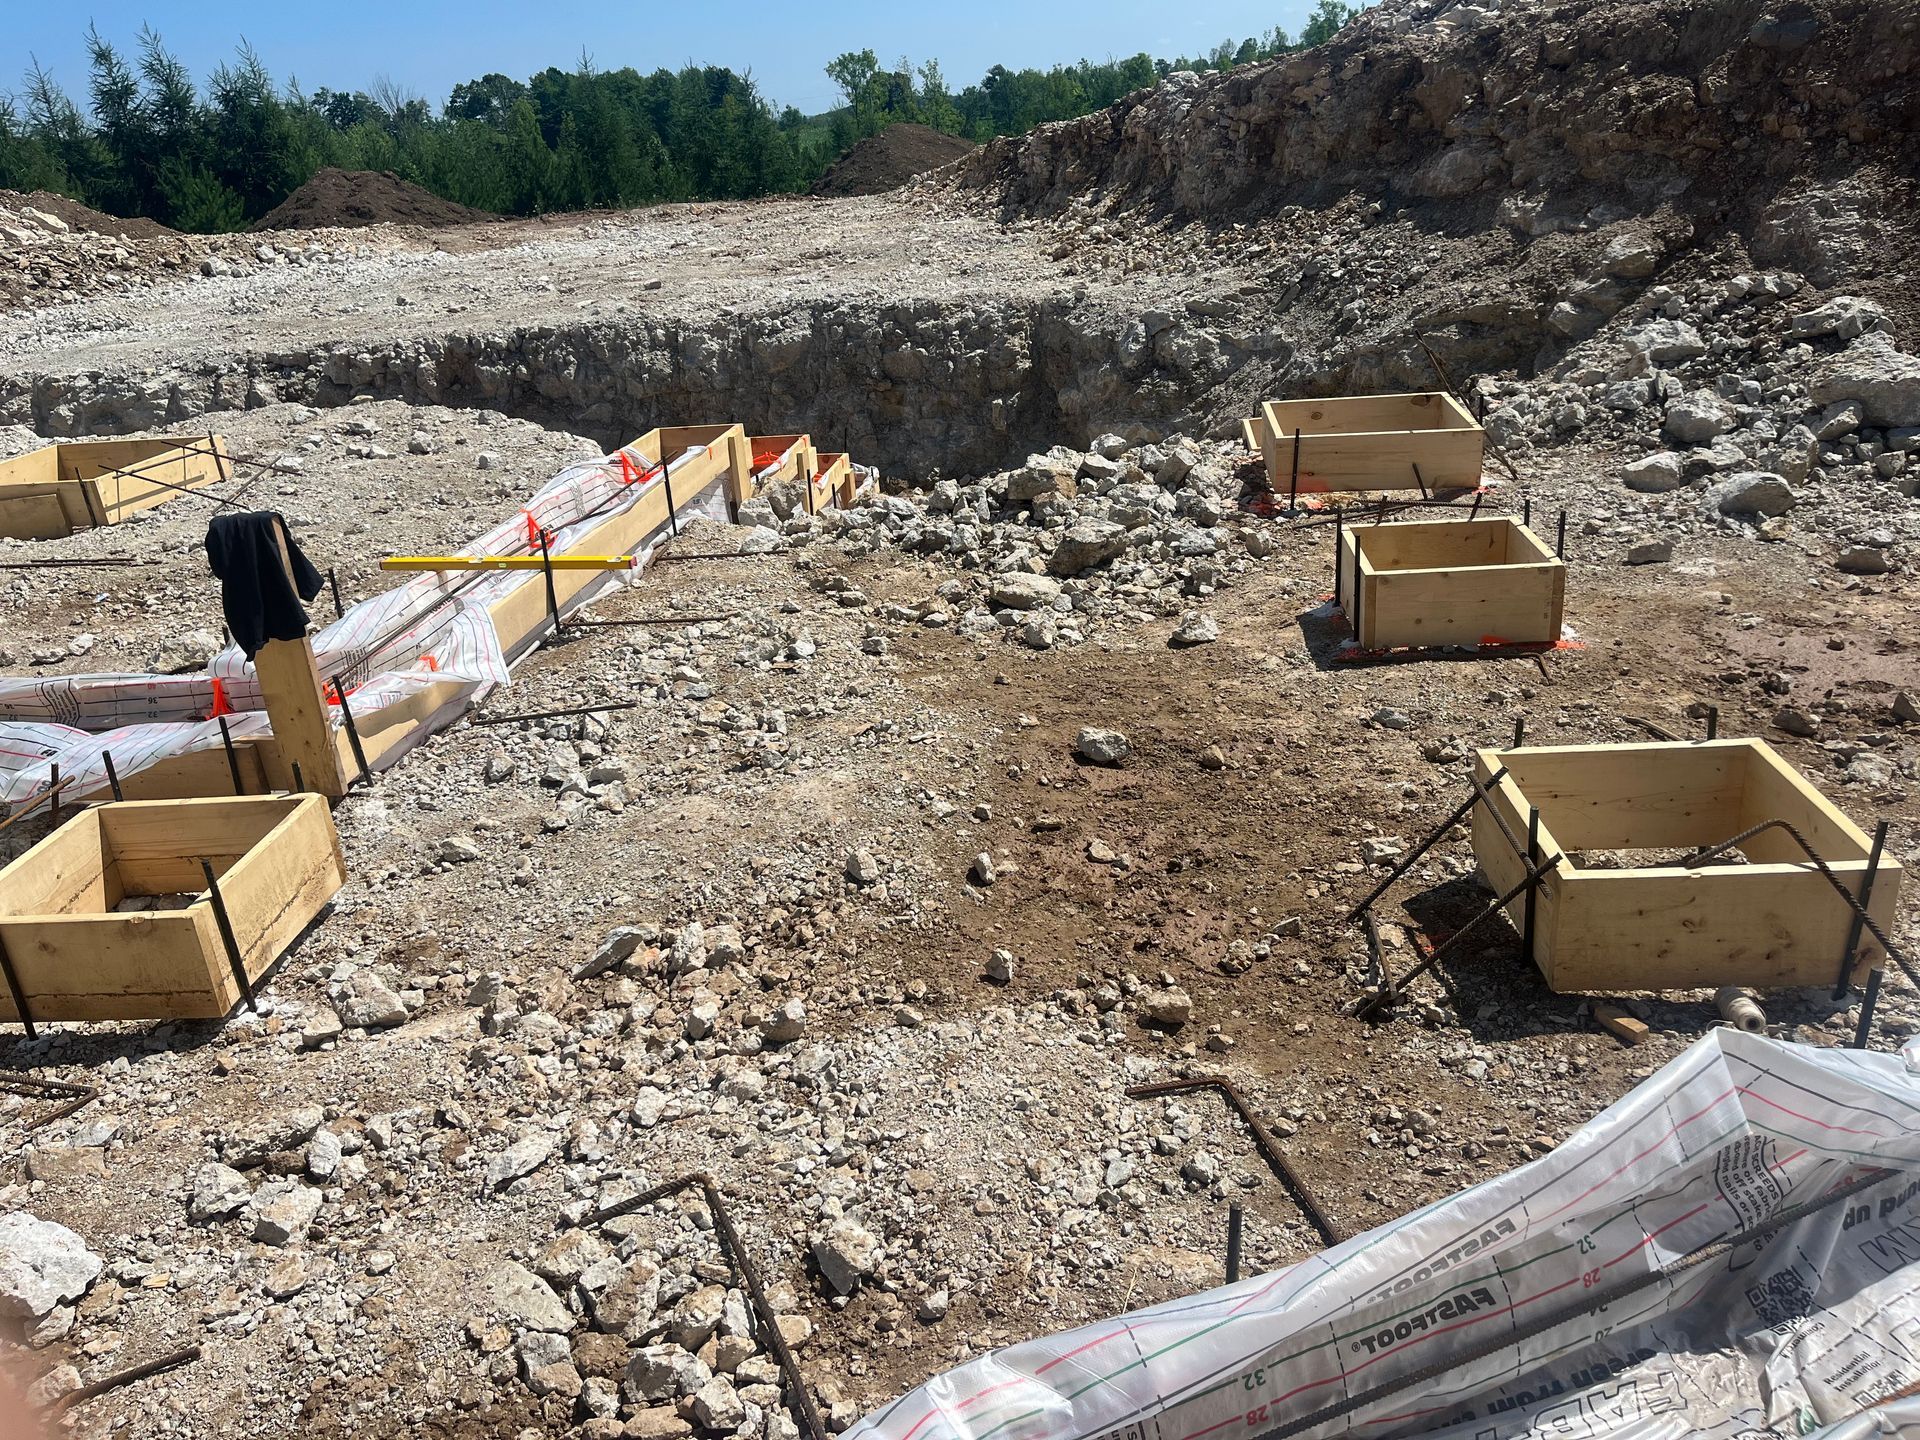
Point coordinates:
[(1620, 1024), (1372, 442), (794, 457), (100, 482), (727, 454), (1772, 923), (70, 872), (832, 483), (201, 772), (290, 687), (278, 862), (128, 476), (1450, 582), (568, 561), (1651, 796)]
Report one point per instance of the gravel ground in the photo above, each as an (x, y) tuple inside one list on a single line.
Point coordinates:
[(838, 912), (795, 812)]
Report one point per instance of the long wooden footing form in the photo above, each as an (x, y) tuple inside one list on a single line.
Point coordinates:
[(76, 485), (252, 872)]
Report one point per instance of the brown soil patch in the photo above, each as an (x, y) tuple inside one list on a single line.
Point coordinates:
[(365, 197), (890, 159), (85, 217)]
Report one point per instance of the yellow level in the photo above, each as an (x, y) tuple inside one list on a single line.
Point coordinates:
[(509, 562)]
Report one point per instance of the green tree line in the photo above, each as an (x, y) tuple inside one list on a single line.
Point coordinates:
[(1011, 102), (152, 143)]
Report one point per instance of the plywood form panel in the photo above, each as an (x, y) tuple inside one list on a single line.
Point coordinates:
[(278, 860), (1372, 442), (1672, 927)]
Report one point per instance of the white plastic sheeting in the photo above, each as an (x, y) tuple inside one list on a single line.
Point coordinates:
[(1797, 1332), (387, 648)]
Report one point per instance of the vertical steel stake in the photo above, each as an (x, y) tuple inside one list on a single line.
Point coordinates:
[(333, 583), (1713, 722), (1519, 730), (546, 564), (1234, 1221), (353, 730), (233, 756), (53, 795), (299, 780), (1863, 1032), (20, 1010), (1526, 512), (1560, 541), (666, 478), (1293, 494), (113, 779), (1533, 861), (234, 958), (1844, 981)]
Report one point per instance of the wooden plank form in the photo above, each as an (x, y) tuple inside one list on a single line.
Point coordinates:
[(302, 717), (727, 453), (832, 484), (77, 957), (781, 457), (1370, 442), (1770, 923), (1450, 582), (75, 485)]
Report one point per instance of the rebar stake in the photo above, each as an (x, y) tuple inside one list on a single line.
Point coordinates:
[(1843, 982), (353, 730), (233, 756), (227, 940)]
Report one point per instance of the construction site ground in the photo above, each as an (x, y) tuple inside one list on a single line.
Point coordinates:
[(988, 1115), (1666, 249)]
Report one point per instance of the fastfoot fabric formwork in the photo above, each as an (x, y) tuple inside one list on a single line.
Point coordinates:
[(388, 648), (1806, 1324)]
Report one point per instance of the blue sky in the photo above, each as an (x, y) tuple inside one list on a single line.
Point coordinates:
[(429, 45)]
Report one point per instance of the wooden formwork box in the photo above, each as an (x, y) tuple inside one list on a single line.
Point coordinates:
[(1450, 582), (58, 489), (1370, 442), (277, 860), (1773, 922), (832, 483), (781, 457)]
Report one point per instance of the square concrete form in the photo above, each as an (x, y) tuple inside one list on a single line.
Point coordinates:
[(1773, 922), (58, 489), (1450, 582), (74, 956), (1369, 442)]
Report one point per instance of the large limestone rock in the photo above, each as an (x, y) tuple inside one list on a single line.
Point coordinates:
[(1087, 544), (1874, 371), (42, 1264), (846, 1252)]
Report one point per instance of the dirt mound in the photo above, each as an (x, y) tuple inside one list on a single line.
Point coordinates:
[(365, 197), (82, 217), (890, 159)]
